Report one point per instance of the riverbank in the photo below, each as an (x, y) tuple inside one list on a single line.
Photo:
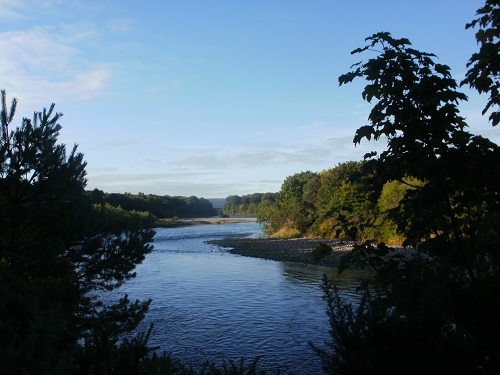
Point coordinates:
[(299, 250), (172, 223)]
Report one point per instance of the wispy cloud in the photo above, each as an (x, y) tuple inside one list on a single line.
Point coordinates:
[(120, 24), (326, 152), (122, 178), (86, 85), (172, 186), (11, 9), (157, 183), (49, 59), (120, 143)]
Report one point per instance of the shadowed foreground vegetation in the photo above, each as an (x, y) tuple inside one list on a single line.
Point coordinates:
[(436, 312), (60, 249), (436, 187)]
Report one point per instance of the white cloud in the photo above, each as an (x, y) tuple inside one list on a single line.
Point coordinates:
[(39, 67), (86, 85), (33, 52)]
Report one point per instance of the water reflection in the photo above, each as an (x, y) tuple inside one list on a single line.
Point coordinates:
[(311, 275), (213, 305)]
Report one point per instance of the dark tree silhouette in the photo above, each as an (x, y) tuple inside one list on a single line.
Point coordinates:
[(484, 66), (436, 309), (54, 262)]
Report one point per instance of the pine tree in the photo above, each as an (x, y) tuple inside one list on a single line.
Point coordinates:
[(54, 263)]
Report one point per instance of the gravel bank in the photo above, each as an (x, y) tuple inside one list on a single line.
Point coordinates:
[(169, 223), (290, 250)]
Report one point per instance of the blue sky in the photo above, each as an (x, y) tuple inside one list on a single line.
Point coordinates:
[(213, 98)]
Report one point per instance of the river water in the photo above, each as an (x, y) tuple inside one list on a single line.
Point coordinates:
[(212, 305)]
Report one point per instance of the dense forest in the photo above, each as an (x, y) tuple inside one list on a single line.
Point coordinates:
[(148, 209), (250, 204), (349, 201), (435, 189)]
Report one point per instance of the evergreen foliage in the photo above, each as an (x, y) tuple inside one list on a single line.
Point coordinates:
[(61, 250), (55, 260), (430, 310)]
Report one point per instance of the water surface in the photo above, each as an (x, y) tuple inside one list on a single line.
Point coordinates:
[(212, 305)]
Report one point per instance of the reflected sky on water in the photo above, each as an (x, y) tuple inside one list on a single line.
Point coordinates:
[(212, 305)]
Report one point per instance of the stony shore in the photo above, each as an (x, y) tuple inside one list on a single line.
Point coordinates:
[(168, 223), (290, 250)]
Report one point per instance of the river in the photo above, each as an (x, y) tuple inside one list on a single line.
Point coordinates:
[(212, 305)]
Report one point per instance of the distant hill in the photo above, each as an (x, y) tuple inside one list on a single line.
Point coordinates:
[(217, 203)]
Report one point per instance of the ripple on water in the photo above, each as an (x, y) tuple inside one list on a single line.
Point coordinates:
[(211, 305)]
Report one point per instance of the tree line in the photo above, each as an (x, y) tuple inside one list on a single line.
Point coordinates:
[(349, 201), (150, 207), (250, 204), (62, 249), (431, 310)]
